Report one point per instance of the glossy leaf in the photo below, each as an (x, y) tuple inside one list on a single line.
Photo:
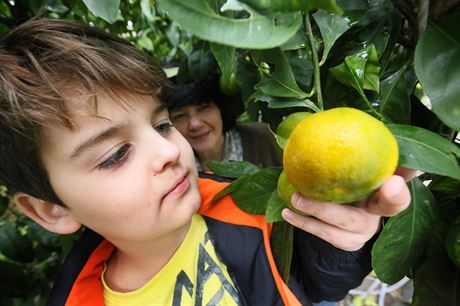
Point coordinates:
[(255, 32), (437, 282), (233, 169), (403, 239), (394, 101), (294, 5), (282, 243), (359, 70), (274, 208), (424, 150), (331, 26), (438, 68), (281, 82), (252, 196), (106, 9)]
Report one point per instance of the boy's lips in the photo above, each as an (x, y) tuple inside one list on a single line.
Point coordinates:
[(179, 187)]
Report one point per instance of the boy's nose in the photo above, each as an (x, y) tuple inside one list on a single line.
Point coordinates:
[(164, 153)]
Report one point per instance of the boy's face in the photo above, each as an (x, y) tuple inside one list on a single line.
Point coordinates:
[(124, 172)]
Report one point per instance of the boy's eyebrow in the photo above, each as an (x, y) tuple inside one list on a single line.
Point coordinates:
[(96, 139), (106, 134)]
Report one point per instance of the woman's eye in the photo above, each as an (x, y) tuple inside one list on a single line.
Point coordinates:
[(116, 158), (163, 128), (204, 107)]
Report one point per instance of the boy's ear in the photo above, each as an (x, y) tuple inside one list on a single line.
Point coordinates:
[(54, 218)]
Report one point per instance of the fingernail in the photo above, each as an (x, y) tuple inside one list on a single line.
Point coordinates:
[(299, 201), (287, 214)]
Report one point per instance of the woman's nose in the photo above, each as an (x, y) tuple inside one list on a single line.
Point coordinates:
[(194, 122)]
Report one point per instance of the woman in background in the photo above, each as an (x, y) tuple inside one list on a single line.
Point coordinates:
[(207, 119)]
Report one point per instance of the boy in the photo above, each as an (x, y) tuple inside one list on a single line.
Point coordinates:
[(85, 141)]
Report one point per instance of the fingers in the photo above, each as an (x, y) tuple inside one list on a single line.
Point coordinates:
[(338, 237), (390, 199), (344, 226), (350, 218)]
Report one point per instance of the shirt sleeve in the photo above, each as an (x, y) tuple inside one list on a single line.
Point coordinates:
[(327, 273)]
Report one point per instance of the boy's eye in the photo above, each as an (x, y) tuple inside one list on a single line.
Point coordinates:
[(116, 158), (163, 128)]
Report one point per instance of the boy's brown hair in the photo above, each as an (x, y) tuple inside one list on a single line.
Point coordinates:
[(40, 61)]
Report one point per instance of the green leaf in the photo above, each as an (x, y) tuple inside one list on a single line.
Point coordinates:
[(274, 208), (424, 150), (438, 68), (277, 102), (359, 70), (437, 282), (106, 9), (445, 185), (281, 83), (282, 243), (403, 240), (294, 5), (234, 169), (225, 57), (331, 26), (394, 101), (255, 32), (253, 195)]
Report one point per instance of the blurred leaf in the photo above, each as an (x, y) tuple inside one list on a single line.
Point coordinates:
[(13, 245), (331, 26), (147, 9), (282, 242), (106, 9), (253, 195), (233, 169), (280, 83), (13, 278), (225, 57), (394, 101), (437, 282), (255, 32), (403, 239), (42, 236), (294, 5), (274, 208), (438, 68), (424, 150), (445, 185)]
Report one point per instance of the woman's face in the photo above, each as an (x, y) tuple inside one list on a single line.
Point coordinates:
[(201, 125)]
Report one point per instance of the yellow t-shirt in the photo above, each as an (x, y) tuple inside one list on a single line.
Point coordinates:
[(193, 276)]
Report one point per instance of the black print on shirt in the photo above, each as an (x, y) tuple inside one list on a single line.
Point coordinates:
[(207, 268)]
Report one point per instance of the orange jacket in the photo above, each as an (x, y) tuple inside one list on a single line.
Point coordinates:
[(241, 240)]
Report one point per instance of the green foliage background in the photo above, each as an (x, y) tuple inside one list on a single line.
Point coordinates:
[(397, 60)]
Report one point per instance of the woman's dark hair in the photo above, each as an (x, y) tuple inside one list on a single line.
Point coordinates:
[(203, 92)]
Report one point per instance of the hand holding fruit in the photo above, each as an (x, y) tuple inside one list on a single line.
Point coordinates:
[(349, 227), (342, 155)]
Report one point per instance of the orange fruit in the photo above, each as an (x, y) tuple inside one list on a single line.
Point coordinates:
[(286, 126), (339, 155)]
